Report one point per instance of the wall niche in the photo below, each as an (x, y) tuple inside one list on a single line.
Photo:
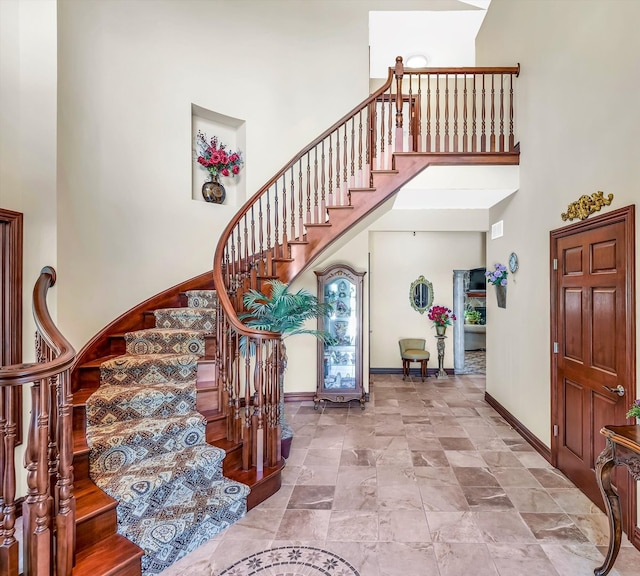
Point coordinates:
[(232, 133)]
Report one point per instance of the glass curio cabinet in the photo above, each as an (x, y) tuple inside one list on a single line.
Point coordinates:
[(340, 357)]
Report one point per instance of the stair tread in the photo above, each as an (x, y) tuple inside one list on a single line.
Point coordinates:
[(251, 477), (90, 500), (206, 385), (362, 189), (80, 445), (319, 225), (298, 241), (212, 414), (108, 557), (97, 361), (342, 207)]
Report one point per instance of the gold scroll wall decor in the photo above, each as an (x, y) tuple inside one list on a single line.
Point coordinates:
[(586, 205)]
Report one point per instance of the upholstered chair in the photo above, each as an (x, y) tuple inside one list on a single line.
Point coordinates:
[(413, 350)]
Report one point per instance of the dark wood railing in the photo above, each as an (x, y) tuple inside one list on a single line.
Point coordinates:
[(423, 110), (48, 511)]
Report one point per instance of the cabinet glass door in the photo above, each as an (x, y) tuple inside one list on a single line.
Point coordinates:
[(340, 357)]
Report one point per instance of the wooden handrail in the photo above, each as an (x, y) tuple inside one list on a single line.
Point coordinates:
[(64, 353), (49, 506)]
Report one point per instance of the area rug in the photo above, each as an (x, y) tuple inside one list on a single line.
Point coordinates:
[(292, 561)]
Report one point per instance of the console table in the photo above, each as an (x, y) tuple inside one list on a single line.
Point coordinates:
[(623, 447)]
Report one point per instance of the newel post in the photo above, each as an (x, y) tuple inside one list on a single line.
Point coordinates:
[(399, 73)]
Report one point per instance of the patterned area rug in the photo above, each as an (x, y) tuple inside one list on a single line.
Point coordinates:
[(292, 561)]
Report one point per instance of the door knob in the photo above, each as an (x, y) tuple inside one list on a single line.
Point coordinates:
[(619, 389)]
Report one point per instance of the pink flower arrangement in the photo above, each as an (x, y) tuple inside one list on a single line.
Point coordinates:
[(441, 316), (214, 157)]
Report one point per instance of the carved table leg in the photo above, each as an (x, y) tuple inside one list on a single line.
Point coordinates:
[(604, 467)]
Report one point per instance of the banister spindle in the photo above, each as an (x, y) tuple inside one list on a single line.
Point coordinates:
[(399, 73), (292, 198), (437, 112), (8, 543), (483, 110), (381, 155), (446, 112), (316, 215), (352, 179), (301, 202), (285, 241), (474, 117), (501, 138), (261, 254), (323, 200), (428, 131), (493, 114), (465, 144), (455, 113), (338, 195), (330, 174), (390, 132), (276, 224), (511, 137)]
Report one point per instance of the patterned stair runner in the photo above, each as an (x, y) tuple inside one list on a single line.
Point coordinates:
[(147, 440)]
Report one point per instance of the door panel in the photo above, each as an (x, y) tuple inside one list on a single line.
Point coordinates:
[(592, 323)]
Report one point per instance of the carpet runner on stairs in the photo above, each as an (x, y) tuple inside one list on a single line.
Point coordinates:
[(147, 440)]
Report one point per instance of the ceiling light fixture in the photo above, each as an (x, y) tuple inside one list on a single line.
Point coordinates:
[(416, 61)]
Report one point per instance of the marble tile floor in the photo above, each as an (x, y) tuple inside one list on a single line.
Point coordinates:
[(428, 480)]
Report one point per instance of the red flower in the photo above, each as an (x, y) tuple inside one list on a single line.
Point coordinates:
[(215, 158)]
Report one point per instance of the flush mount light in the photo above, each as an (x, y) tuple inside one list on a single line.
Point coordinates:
[(416, 61)]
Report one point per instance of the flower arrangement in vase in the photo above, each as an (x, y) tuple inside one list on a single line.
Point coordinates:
[(216, 159), (441, 316), (498, 277)]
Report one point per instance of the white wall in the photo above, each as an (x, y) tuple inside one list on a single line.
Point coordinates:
[(397, 260), (128, 76), (577, 117), (28, 151)]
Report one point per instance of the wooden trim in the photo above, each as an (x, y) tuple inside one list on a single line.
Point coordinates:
[(12, 302), (635, 538), (133, 319), (625, 214), (519, 427)]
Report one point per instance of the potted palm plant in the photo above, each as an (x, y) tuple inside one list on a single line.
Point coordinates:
[(285, 312)]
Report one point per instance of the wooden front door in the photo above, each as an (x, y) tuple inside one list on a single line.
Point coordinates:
[(593, 339)]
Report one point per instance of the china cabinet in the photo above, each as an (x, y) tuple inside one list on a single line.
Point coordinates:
[(340, 358)]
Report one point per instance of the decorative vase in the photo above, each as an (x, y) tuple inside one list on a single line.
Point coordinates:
[(501, 295), (440, 330), (213, 191)]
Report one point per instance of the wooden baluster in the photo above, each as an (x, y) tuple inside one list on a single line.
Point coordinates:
[(247, 266), (261, 257), (330, 174), (301, 199), (446, 112), (372, 135), (382, 155), (292, 198), (411, 147), (428, 136), (390, 131), (437, 113), (248, 436), (418, 119), (399, 73), (511, 138), (268, 254), (338, 195), (285, 241), (474, 116), (276, 235), (352, 179), (253, 256), (455, 113), (493, 115), (269, 405), (65, 517), (369, 152), (501, 140), (316, 214), (465, 144), (345, 166), (278, 367), (483, 110), (9, 560), (360, 179), (258, 408), (323, 199)]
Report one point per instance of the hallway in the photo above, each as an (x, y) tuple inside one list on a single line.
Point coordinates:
[(428, 480)]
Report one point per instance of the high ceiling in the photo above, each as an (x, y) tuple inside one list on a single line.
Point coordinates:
[(445, 33)]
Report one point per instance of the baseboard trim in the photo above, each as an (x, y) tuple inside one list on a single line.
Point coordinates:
[(635, 540), (519, 427), (412, 371), (308, 396)]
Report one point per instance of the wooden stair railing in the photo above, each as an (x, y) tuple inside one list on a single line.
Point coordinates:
[(49, 507), (453, 116)]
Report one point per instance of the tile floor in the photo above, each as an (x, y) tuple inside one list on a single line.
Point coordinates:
[(428, 480)]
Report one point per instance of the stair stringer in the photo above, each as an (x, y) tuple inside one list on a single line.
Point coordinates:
[(385, 184)]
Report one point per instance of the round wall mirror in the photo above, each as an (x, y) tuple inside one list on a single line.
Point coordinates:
[(421, 294)]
